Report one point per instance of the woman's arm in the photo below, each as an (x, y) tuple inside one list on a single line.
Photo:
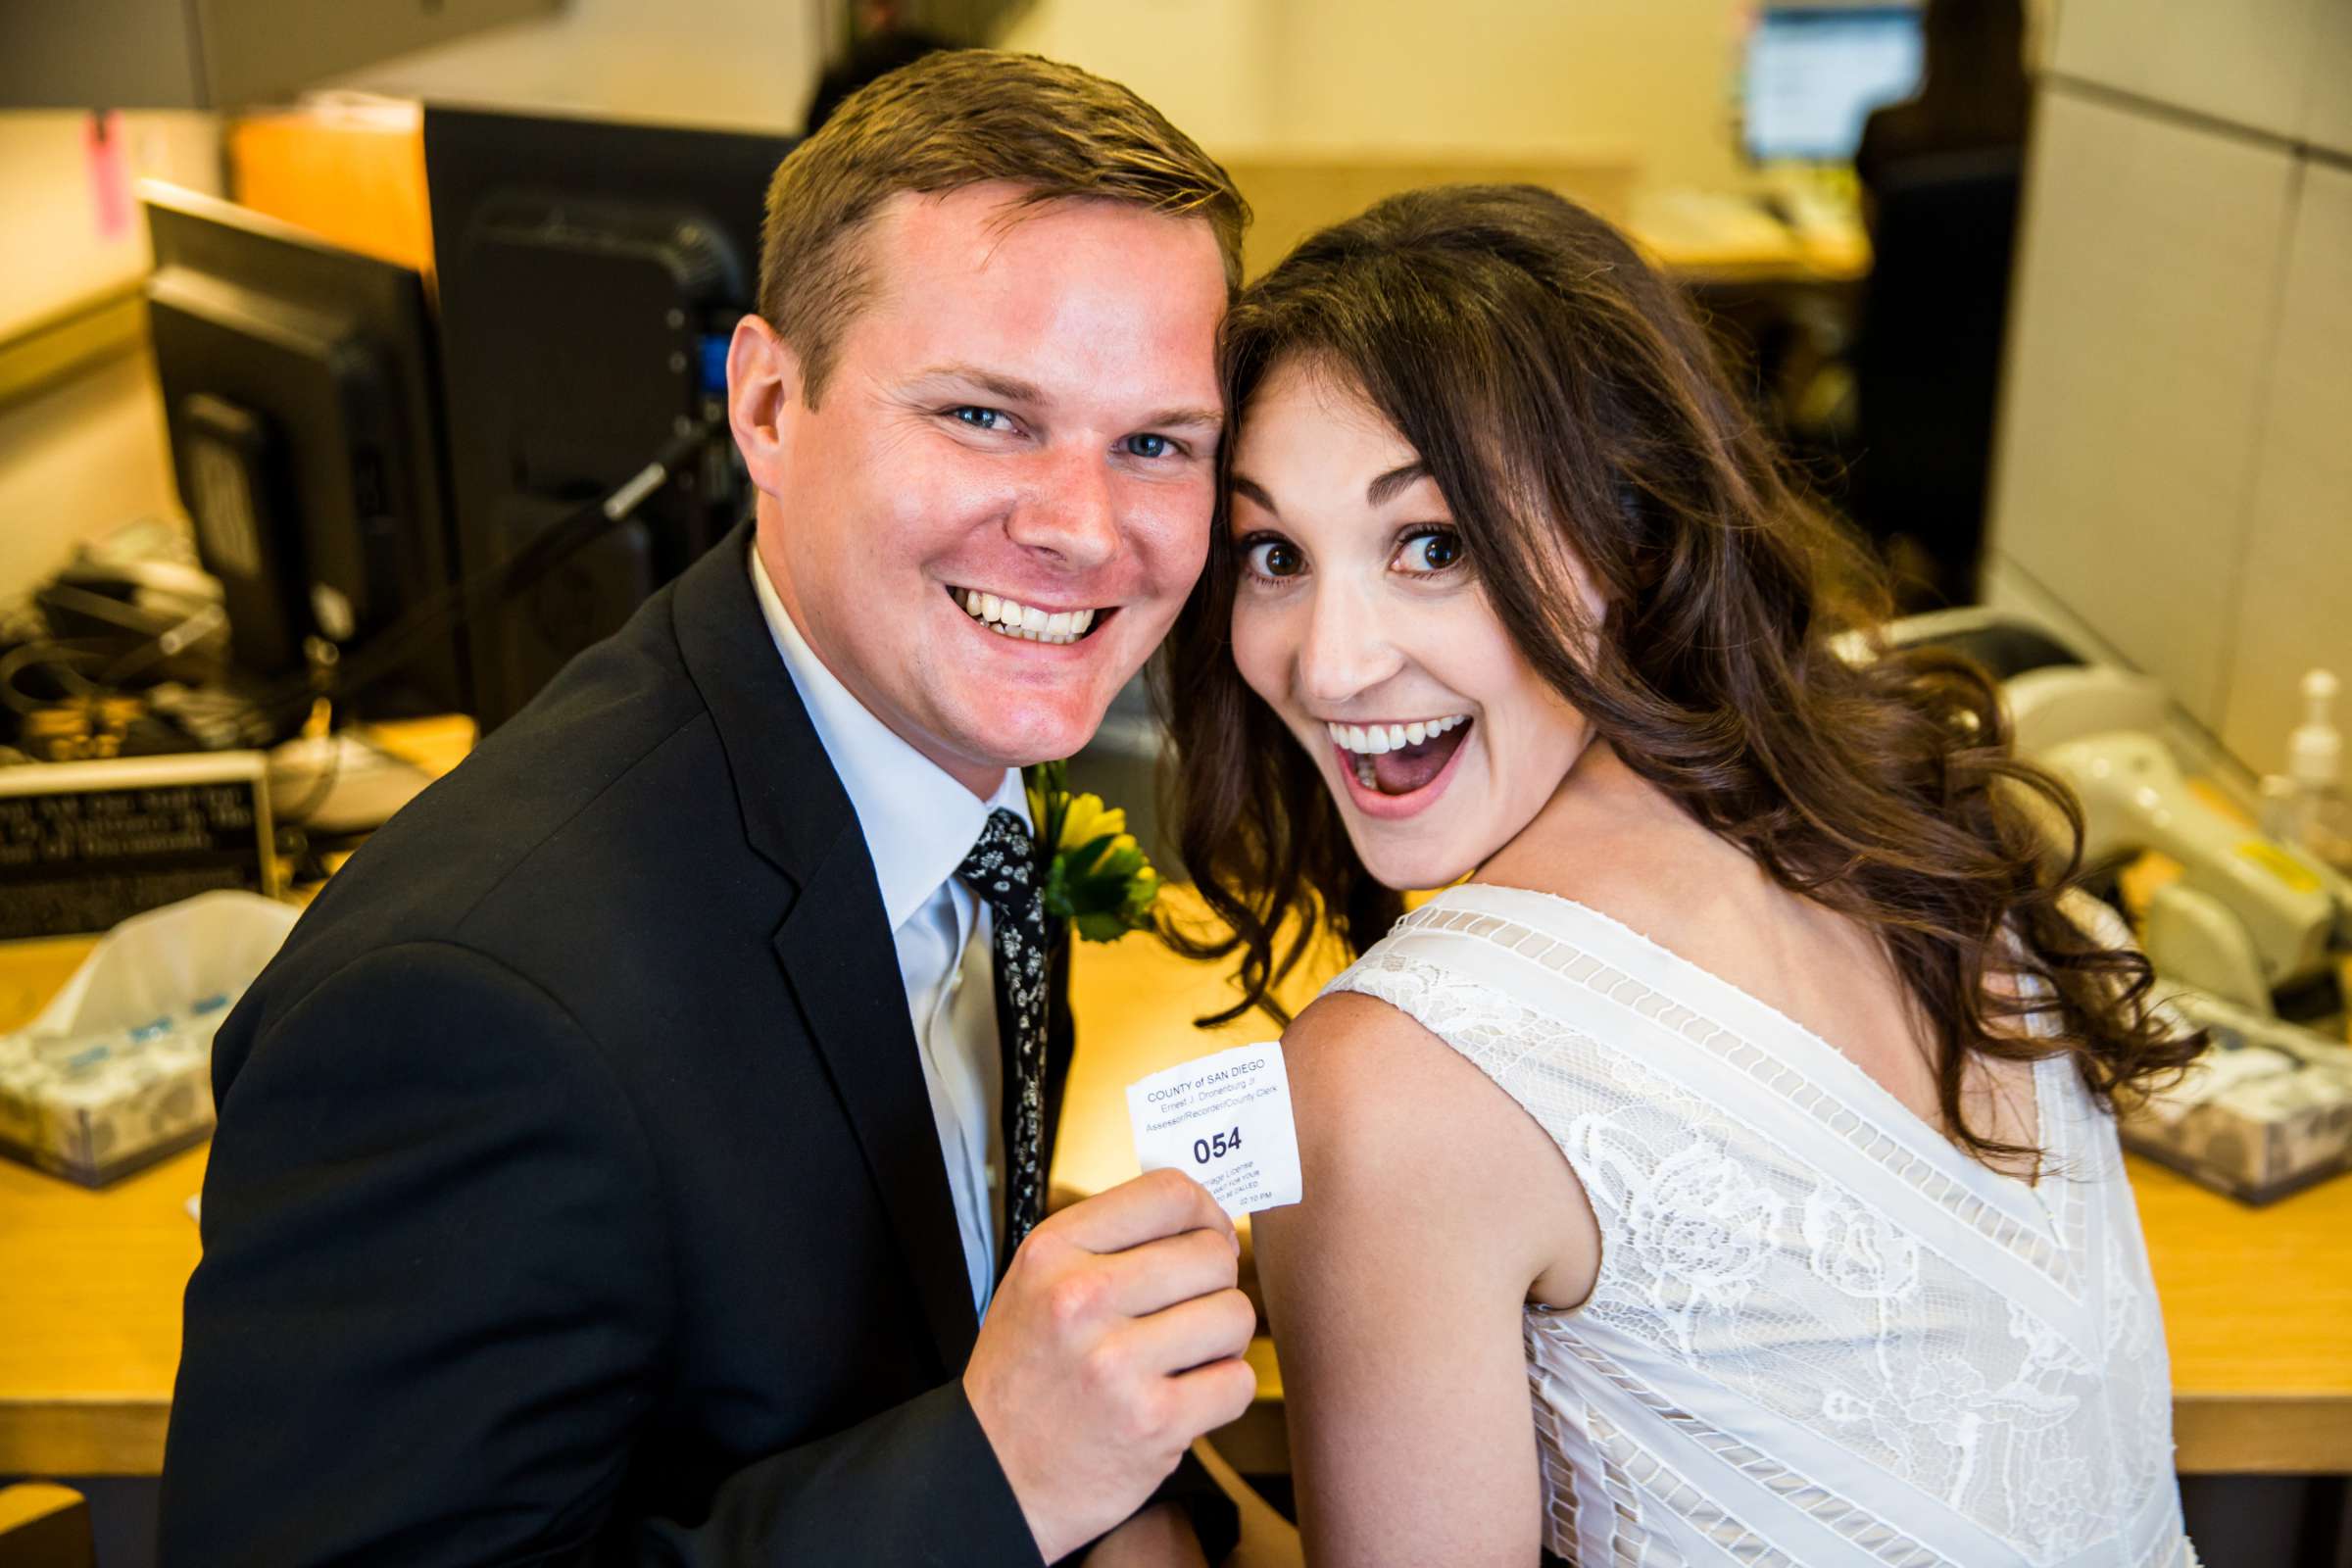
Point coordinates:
[(1433, 1203)]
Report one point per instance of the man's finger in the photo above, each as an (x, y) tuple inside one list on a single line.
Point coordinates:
[(1190, 1334), (1156, 1203), (1214, 1396), (1159, 1274)]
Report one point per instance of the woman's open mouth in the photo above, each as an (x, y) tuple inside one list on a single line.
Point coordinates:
[(1008, 617), (1394, 766)]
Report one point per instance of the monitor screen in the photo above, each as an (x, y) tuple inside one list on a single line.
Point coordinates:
[(1815, 73), (651, 233), (302, 389)]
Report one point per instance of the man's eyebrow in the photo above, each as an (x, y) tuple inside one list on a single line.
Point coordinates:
[(1385, 489), (1211, 420), (1009, 389), (1244, 485)]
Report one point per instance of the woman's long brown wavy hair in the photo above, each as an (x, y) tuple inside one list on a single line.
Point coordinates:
[(1562, 394)]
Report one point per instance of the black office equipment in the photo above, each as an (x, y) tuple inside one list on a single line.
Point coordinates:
[(84, 844), (1928, 358), (301, 384), (589, 272)]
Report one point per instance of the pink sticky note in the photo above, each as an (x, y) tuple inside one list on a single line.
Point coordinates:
[(109, 173)]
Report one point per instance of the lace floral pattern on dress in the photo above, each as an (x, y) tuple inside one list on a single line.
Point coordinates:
[(1774, 1352)]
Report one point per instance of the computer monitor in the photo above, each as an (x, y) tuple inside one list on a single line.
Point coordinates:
[(303, 395), (590, 272), (1815, 73)]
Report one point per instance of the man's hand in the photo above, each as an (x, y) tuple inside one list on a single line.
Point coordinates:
[(1160, 1536), (1115, 1340)]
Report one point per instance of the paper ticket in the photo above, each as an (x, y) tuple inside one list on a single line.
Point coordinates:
[(1224, 1120)]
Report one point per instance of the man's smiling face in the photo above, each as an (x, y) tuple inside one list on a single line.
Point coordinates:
[(1003, 493)]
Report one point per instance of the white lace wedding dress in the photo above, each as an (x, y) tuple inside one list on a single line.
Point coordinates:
[(1823, 1337)]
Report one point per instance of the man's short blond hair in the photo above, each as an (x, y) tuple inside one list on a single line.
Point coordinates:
[(965, 116)]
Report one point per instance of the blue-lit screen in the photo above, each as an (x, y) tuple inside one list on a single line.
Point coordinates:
[(1814, 74)]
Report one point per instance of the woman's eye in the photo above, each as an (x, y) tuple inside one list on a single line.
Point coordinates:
[(1427, 553), (979, 419), (1148, 444), (1276, 559)]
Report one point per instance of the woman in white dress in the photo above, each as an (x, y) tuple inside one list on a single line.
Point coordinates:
[(1722, 1169)]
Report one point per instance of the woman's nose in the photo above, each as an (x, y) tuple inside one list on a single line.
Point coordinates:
[(1348, 650)]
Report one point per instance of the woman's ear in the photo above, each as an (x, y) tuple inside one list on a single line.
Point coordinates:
[(763, 396)]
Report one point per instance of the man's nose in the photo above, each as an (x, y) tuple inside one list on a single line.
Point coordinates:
[(1071, 512), (1348, 650)]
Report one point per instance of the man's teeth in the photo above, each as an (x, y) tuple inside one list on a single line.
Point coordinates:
[(1010, 619), (1370, 740)]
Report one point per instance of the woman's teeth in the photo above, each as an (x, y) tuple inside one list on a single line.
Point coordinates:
[(1364, 742), (1370, 740), (1009, 620)]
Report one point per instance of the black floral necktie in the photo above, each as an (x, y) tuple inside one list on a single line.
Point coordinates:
[(1002, 869)]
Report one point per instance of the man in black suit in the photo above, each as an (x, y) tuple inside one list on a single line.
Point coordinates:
[(617, 1161)]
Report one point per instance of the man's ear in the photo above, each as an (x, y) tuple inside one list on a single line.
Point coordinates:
[(763, 394)]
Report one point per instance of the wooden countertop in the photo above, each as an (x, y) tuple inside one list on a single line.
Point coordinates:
[(89, 1287), (2257, 1303)]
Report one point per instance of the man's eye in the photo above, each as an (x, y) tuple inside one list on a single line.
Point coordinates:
[(1425, 554), (1276, 558), (1147, 444), (980, 419)]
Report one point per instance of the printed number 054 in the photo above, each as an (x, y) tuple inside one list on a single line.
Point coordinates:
[(1206, 1149)]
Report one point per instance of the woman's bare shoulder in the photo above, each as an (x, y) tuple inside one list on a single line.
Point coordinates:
[(1666, 877), (1401, 1135)]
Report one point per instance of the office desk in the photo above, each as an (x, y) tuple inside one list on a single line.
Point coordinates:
[(2257, 1304), (89, 1287), (1723, 238), (90, 1281)]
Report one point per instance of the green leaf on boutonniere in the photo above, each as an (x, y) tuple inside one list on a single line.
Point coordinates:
[(1097, 875)]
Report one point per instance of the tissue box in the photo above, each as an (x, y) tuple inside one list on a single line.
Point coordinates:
[(92, 1108), (2266, 1111), (116, 1073)]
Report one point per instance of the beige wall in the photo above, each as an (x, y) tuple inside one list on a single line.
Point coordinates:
[(1655, 77), (55, 254), (77, 461), (1207, 65), (88, 453)]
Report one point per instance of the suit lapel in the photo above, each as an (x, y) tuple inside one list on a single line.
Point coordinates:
[(833, 942), (849, 990)]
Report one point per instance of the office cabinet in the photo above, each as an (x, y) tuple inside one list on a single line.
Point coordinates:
[(2328, 120), (2293, 604), (2247, 61), (2140, 342), (213, 54)]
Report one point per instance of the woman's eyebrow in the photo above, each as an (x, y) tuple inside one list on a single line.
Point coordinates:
[(1385, 488), (1244, 485)]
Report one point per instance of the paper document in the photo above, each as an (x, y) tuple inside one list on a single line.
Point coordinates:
[(1225, 1121)]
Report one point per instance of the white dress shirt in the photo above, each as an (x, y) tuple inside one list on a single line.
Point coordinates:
[(919, 824)]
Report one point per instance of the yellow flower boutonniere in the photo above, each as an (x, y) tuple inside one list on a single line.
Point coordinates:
[(1096, 876)]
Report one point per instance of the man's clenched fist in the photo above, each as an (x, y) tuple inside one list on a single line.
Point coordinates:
[(1114, 1341)]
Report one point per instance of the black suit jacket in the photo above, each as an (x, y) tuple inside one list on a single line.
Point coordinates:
[(577, 1194)]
